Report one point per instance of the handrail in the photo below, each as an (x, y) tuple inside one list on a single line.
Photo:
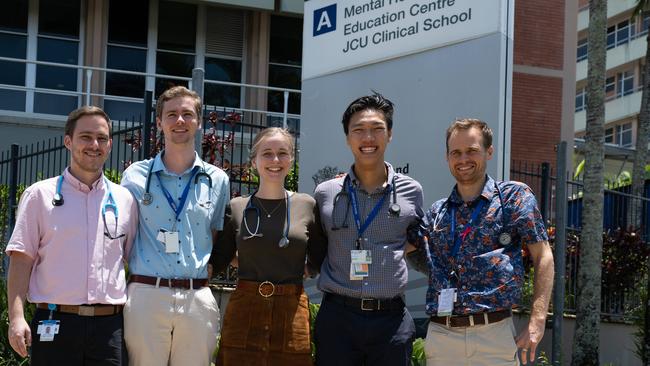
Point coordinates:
[(155, 75)]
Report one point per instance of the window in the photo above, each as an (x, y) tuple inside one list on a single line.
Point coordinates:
[(581, 100), (610, 86), (13, 37), (223, 61), (285, 62), (176, 43), (57, 42), (625, 83), (582, 49), (620, 33), (619, 135), (128, 23)]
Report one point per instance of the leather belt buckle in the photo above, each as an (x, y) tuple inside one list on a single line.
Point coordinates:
[(371, 308), (86, 310), (264, 293)]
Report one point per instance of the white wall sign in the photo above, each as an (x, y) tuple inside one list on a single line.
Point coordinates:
[(353, 33)]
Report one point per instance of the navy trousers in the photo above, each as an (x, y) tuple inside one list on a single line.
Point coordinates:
[(82, 341), (347, 336)]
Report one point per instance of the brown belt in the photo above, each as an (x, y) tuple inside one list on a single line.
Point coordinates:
[(268, 289), (85, 310), (472, 319), (185, 283)]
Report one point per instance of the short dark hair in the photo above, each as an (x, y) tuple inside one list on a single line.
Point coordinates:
[(466, 124), (374, 102), (175, 92), (87, 110)]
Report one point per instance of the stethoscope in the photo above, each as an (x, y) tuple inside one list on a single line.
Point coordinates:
[(108, 204), (394, 208), (284, 241), (504, 237), (147, 197)]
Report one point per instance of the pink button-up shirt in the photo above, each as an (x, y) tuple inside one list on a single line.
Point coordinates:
[(74, 262)]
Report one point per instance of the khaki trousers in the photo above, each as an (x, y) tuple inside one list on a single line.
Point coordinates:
[(492, 344), (169, 326)]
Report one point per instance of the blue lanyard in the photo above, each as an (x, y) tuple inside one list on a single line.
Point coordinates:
[(361, 228), (460, 238), (181, 203)]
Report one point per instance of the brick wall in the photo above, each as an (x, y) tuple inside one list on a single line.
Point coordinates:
[(537, 97), (536, 116)]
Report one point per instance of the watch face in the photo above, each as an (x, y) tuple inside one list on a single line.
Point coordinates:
[(505, 239)]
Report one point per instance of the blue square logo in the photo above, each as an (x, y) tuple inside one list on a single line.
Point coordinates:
[(325, 20)]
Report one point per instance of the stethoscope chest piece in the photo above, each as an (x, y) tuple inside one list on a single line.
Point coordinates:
[(284, 242), (505, 238), (57, 200), (394, 209)]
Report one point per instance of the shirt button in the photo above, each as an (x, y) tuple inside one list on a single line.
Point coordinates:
[(266, 327), (459, 266), (464, 287), (464, 304)]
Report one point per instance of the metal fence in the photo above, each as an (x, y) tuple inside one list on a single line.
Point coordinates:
[(626, 233), (226, 138)]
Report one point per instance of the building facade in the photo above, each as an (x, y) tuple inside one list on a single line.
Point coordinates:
[(59, 54), (626, 49)]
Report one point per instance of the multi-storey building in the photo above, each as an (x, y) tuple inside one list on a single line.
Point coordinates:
[(626, 49)]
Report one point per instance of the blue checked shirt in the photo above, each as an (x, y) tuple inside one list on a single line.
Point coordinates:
[(386, 237)]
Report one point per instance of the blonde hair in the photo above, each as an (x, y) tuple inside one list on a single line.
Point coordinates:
[(175, 92), (272, 131)]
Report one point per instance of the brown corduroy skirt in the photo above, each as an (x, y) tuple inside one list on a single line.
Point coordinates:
[(266, 331)]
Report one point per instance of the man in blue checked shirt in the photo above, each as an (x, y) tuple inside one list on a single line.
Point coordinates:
[(474, 259), (363, 319)]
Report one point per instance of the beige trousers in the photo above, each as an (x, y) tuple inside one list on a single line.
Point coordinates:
[(492, 344), (174, 327)]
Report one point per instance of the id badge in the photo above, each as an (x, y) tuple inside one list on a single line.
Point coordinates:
[(47, 329), (358, 271), (361, 256), (446, 301), (170, 239)]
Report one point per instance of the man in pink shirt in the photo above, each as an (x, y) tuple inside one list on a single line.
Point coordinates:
[(67, 255)]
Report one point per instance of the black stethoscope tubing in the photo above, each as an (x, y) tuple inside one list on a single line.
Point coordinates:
[(147, 197), (394, 208), (504, 237)]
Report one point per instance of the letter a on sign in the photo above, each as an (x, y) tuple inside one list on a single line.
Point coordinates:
[(325, 20)]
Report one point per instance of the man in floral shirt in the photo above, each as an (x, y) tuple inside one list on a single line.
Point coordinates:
[(474, 259)]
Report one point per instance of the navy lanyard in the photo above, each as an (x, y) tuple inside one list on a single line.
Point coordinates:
[(181, 203), (361, 228), (461, 237)]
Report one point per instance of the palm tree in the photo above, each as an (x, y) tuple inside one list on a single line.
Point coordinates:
[(587, 334)]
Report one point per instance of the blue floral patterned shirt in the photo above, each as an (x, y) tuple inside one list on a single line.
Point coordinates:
[(487, 270)]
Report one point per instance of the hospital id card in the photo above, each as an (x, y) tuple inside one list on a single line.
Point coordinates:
[(170, 240), (446, 300), (47, 329)]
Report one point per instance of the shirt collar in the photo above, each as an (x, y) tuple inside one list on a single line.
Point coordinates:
[(79, 185), (487, 192), (391, 175), (159, 165)]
